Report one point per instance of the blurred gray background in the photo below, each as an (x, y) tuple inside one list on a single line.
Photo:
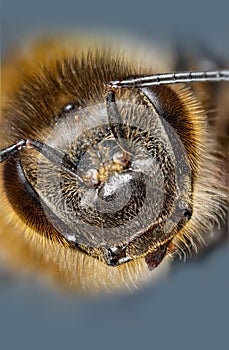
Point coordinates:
[(187, 310)]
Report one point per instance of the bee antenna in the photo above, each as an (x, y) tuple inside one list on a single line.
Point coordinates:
[(116, 122), (171, 78), (56, 157)]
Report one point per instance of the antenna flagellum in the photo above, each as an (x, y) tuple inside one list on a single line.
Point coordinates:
[(171, 78)]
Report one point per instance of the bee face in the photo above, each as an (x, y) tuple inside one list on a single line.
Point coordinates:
[(110, 183)]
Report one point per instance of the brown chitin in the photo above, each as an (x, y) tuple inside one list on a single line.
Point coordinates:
[(51, 89)]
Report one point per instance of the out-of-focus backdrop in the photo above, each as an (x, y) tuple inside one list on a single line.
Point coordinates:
[(189, 309)]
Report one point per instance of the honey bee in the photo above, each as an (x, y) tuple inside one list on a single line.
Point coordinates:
[(109, 168)]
